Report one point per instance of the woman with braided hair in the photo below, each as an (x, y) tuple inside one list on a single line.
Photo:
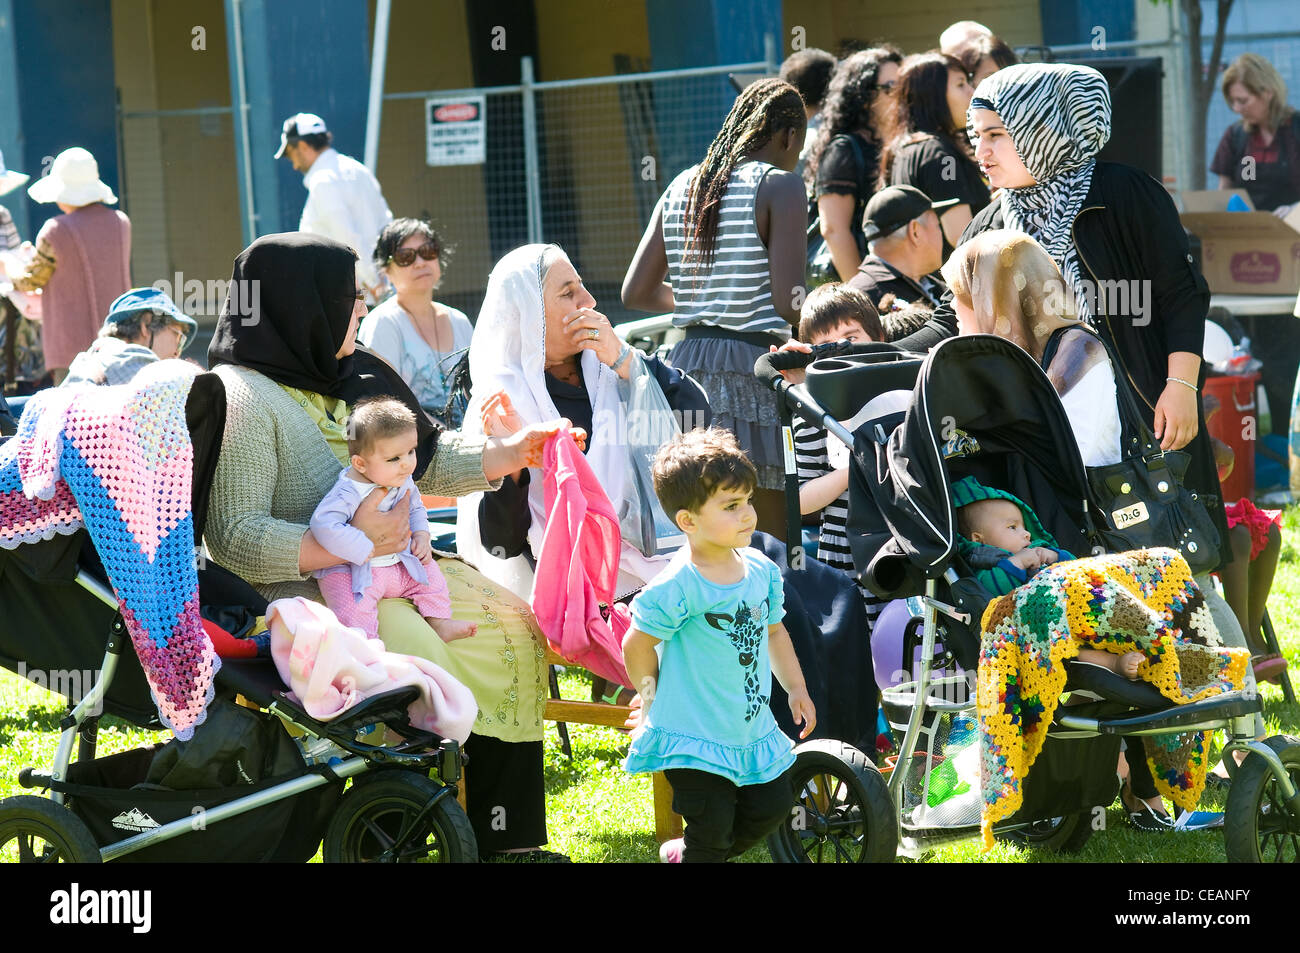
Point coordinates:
[(729, 236), (844, 160)]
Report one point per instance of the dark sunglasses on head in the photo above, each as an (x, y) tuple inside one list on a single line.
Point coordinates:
[(404, 257)]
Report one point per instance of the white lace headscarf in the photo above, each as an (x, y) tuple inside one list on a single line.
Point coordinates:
[(508, 353)]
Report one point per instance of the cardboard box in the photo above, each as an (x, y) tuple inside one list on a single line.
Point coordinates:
[(1244, 252)]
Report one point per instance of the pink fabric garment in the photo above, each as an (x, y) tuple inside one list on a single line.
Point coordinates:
[(432, 600), (332, 668), (92, 266), (577, 566)]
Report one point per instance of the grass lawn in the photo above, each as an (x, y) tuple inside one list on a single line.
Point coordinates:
[(597, 813)]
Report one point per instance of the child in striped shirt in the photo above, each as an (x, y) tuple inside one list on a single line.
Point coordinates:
[(833, 312)]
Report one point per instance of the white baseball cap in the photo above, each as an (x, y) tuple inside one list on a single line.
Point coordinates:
[(73, 180), (295, 127)]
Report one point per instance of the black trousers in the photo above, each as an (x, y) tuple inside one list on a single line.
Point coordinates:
[(505, 793), (1140, 781), (723, 819)]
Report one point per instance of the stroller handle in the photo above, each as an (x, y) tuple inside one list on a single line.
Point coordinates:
[(769, 366)]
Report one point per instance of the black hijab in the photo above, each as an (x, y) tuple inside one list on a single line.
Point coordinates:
[(286, 315)]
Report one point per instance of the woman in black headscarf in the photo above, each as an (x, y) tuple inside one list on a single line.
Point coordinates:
[(285, 350)]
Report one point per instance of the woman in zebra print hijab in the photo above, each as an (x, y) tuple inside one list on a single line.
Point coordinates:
[(1058, 118)]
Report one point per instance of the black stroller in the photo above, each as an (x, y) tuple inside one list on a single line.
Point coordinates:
[(987, 399), (259, 781)]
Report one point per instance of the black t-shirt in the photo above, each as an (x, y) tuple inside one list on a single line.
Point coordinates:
[(841, 173), (941, 172)]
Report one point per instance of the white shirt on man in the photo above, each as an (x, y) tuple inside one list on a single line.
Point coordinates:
[(344, 203)]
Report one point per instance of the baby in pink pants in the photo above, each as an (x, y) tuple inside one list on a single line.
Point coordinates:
[(381, 439)]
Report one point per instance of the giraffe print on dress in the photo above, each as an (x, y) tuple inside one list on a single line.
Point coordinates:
[(745, 630)]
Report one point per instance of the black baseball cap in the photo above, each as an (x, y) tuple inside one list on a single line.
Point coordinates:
[(893, 207)]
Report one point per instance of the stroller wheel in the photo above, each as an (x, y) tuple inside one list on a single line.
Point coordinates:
[(35, 830), (400, 817), (842, 812), (1061, 835), (1257, 826)]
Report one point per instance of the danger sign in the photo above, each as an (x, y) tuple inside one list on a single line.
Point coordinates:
[(456, 131)]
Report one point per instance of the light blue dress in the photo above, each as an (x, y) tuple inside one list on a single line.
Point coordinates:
[(710, 710)]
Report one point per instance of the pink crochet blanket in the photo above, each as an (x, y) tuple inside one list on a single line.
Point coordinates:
[(118, 461)]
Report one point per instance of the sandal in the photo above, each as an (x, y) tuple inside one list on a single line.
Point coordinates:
[(1269, 668)]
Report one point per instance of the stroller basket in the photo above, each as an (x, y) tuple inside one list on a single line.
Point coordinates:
[(110, 795)]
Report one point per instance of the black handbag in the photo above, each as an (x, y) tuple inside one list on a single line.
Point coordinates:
[(821, 267), (1142, 500)]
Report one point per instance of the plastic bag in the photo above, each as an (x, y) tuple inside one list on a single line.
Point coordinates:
[(651, 423)]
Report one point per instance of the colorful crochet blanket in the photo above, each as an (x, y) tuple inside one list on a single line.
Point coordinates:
[(1141, 601), (118, 461)]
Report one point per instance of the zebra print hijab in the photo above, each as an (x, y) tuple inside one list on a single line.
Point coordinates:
[(1058, 117)]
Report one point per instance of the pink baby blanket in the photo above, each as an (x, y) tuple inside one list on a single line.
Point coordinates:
[(332, 668)]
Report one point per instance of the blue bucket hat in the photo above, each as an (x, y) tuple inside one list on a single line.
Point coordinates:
[(137, 300)]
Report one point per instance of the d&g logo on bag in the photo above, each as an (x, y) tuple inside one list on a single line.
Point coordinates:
[(1129, 515)]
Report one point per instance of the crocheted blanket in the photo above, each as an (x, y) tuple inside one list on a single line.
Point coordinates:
[(1140, 601), (118, 461)]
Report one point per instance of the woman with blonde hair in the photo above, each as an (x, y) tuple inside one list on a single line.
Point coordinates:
[(1004, 283), (1260, 152)]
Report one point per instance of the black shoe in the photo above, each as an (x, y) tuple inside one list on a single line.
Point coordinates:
[(537, 856), (1150, 820), (1145, 817)]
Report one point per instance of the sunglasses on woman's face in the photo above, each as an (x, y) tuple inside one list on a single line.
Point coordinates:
[(404, 257)]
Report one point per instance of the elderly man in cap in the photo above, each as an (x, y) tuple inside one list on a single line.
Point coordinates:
[(904, 249), (82, 259), (144, 325), (343, 199)]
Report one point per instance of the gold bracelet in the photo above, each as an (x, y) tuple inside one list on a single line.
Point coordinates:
[(1179, 380)]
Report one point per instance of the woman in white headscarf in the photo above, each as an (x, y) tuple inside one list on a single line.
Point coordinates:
[(542, 351)]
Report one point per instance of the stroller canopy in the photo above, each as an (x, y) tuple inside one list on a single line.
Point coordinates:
[(981, 407)]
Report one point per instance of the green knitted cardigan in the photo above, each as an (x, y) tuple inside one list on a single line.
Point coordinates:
[(275, 467)]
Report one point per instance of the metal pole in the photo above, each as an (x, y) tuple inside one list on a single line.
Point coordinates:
[(769, 53), (532, 168), (378, 60), (250, 210)]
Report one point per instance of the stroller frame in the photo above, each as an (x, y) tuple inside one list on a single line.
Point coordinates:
[(1264, 784), (348, 758)]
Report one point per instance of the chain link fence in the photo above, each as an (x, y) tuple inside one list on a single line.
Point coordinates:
[(603, 151), (1281, 48)]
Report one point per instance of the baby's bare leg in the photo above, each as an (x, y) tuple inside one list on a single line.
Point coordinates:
[(1126, 664), (449, 630)]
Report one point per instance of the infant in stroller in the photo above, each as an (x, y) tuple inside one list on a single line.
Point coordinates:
[(1004, 542)]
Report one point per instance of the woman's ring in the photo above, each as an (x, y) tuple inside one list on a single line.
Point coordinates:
[(593, 334)]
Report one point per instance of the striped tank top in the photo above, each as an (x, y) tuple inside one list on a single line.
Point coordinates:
[(736, 292)]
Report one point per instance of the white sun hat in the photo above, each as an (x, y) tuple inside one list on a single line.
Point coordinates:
[(73, 180), (10, 180)]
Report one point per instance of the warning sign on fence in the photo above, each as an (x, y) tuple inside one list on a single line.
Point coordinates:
[(457, 132)]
